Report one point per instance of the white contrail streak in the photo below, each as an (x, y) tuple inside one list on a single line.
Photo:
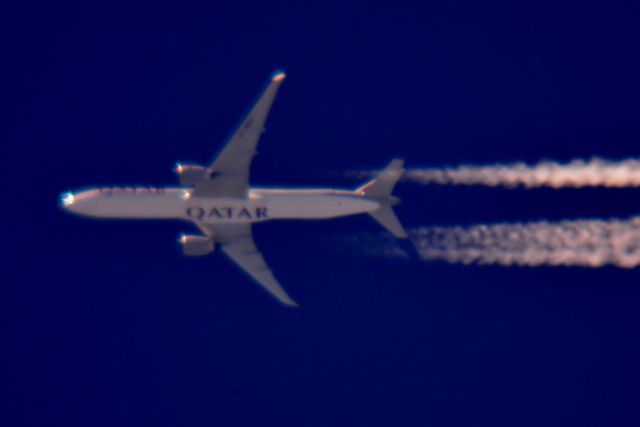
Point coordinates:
[(577, 173), (584, 243), (373, 245), (587, 243)]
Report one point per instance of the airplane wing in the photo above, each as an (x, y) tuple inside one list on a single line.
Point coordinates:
[(237, 243), (228, 174)]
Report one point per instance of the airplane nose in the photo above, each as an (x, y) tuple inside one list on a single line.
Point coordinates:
[(67, 200)]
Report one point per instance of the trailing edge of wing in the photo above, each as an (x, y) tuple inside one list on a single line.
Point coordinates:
[(229, 172), (247, 256), (237, 243)]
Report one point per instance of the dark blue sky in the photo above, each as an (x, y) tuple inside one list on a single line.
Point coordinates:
[(106, 324)]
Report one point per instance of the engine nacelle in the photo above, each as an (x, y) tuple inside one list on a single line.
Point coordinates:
[(196, 245), (190, 175)]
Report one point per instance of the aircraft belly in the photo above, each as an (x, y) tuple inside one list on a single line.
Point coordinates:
[(152, 207), (257, 207), (315, 208), (266, 208)]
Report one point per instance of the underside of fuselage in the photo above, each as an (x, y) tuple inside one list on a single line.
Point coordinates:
[(177, 203)]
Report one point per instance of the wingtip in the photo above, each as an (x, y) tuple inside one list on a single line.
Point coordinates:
[(291, 304), (278, 76), (397, 162)]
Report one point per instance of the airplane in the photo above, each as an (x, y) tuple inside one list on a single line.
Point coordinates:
[(218, 200)]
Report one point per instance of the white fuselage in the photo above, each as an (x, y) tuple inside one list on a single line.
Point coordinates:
[(177, 203)]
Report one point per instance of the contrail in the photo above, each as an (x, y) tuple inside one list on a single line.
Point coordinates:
[(373, 245), (595, 172), (585, 243)]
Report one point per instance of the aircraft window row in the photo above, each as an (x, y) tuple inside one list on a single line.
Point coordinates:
[(131, 190)]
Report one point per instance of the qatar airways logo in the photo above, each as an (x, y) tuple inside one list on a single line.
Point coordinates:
[(130, 190), (258, 212)]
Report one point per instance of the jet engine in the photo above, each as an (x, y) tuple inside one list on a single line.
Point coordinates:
[(190, 175), (196, 245)]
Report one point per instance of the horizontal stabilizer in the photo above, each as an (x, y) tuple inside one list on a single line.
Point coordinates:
[(388, 219)]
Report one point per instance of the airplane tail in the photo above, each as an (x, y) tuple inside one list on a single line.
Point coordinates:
[(380, 188)]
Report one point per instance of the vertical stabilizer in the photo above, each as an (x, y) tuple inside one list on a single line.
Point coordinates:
[(381, 188), (382, 185)]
